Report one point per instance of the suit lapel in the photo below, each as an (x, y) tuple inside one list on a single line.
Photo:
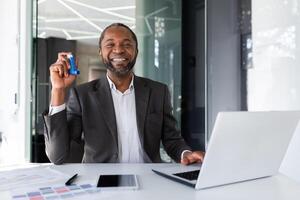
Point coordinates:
[(142, 93), (103, 97)]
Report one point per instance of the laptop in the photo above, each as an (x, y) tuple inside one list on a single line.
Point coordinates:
[(243, 146)]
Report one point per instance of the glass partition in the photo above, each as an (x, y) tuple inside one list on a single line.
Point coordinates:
[(158, 27)]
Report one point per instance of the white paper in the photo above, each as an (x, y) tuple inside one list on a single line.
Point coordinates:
[(10, 180)]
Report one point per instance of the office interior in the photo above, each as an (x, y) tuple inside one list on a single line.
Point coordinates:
[(229, 55)]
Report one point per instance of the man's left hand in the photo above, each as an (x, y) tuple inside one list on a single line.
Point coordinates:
[(192, 157)]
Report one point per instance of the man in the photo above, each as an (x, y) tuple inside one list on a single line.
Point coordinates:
[(122, 117)]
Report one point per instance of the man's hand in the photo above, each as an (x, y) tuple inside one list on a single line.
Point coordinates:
[(192, 157), (60, 78)]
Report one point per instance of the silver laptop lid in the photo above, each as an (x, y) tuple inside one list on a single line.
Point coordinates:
[(246, 145)]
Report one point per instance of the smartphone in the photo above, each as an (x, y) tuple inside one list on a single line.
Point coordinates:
[(118, 181)]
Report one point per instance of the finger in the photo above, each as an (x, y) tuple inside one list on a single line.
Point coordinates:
[(194, 157), (184, 161), (63, 55), (66, 66), (201, 154), (187, 156), (187, 159), (191, 158), (57, 68), (61, 67), (198, 156)]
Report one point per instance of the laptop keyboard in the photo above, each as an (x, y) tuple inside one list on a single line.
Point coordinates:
[(191, 175)]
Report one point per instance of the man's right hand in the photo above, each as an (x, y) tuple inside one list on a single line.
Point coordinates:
[(60, 79)]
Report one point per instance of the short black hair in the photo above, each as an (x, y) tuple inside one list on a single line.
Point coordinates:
[(120, 25)]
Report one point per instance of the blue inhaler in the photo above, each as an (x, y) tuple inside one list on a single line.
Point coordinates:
[(73, 69)]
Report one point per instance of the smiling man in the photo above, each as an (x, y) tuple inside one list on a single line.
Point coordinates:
[(121, 118)]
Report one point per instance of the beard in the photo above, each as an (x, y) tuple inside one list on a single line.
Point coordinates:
[(121, 72)]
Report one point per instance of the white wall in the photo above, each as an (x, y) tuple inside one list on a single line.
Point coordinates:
[(15, 54), (273, 82), (8, 55)]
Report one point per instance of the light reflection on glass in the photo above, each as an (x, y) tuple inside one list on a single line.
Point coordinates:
[(159, 27), (273, 83), (280, 42), (156, 53)]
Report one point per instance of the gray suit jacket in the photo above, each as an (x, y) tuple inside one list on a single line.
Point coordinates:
[(90, 116)]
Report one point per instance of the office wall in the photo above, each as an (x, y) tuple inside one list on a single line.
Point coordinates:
[(15, 55), (9, 56), (273, 82), (223, 59), (8, 75)]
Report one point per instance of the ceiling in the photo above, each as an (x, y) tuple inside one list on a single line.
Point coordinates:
[(82, 20)]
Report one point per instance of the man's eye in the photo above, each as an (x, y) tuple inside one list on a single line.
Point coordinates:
[(127, 45), (109, 45)]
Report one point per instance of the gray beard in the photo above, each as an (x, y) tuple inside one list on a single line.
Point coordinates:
[(119, 72)]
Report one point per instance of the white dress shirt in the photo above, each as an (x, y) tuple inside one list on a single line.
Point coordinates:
[(130, 148)]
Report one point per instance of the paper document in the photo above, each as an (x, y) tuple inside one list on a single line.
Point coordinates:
[(10, 180)]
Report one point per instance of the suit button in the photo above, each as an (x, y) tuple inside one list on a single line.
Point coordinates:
[(116, 155)]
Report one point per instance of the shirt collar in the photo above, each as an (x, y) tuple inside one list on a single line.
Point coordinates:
[(113, 86)]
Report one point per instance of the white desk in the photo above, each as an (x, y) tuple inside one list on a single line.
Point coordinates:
[(155, 187)]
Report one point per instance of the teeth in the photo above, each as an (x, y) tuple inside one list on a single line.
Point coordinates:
[(118, 59)]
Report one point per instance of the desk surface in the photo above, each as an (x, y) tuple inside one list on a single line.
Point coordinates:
[(156, 187)]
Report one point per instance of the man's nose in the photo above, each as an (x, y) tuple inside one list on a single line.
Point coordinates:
[(118, 49)]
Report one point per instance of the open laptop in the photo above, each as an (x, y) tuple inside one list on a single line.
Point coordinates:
[(242, 146)]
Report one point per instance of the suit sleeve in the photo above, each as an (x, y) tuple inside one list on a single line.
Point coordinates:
[(61, 128), (171, 136)]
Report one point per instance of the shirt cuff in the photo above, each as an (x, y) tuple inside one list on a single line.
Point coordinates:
[(56, 109), (184, 152)]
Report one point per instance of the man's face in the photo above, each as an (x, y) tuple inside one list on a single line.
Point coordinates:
[(118, 50)]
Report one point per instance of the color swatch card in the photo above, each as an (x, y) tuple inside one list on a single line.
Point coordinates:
[(55, 192)]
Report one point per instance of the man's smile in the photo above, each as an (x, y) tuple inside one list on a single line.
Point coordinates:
[(118, 60)]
